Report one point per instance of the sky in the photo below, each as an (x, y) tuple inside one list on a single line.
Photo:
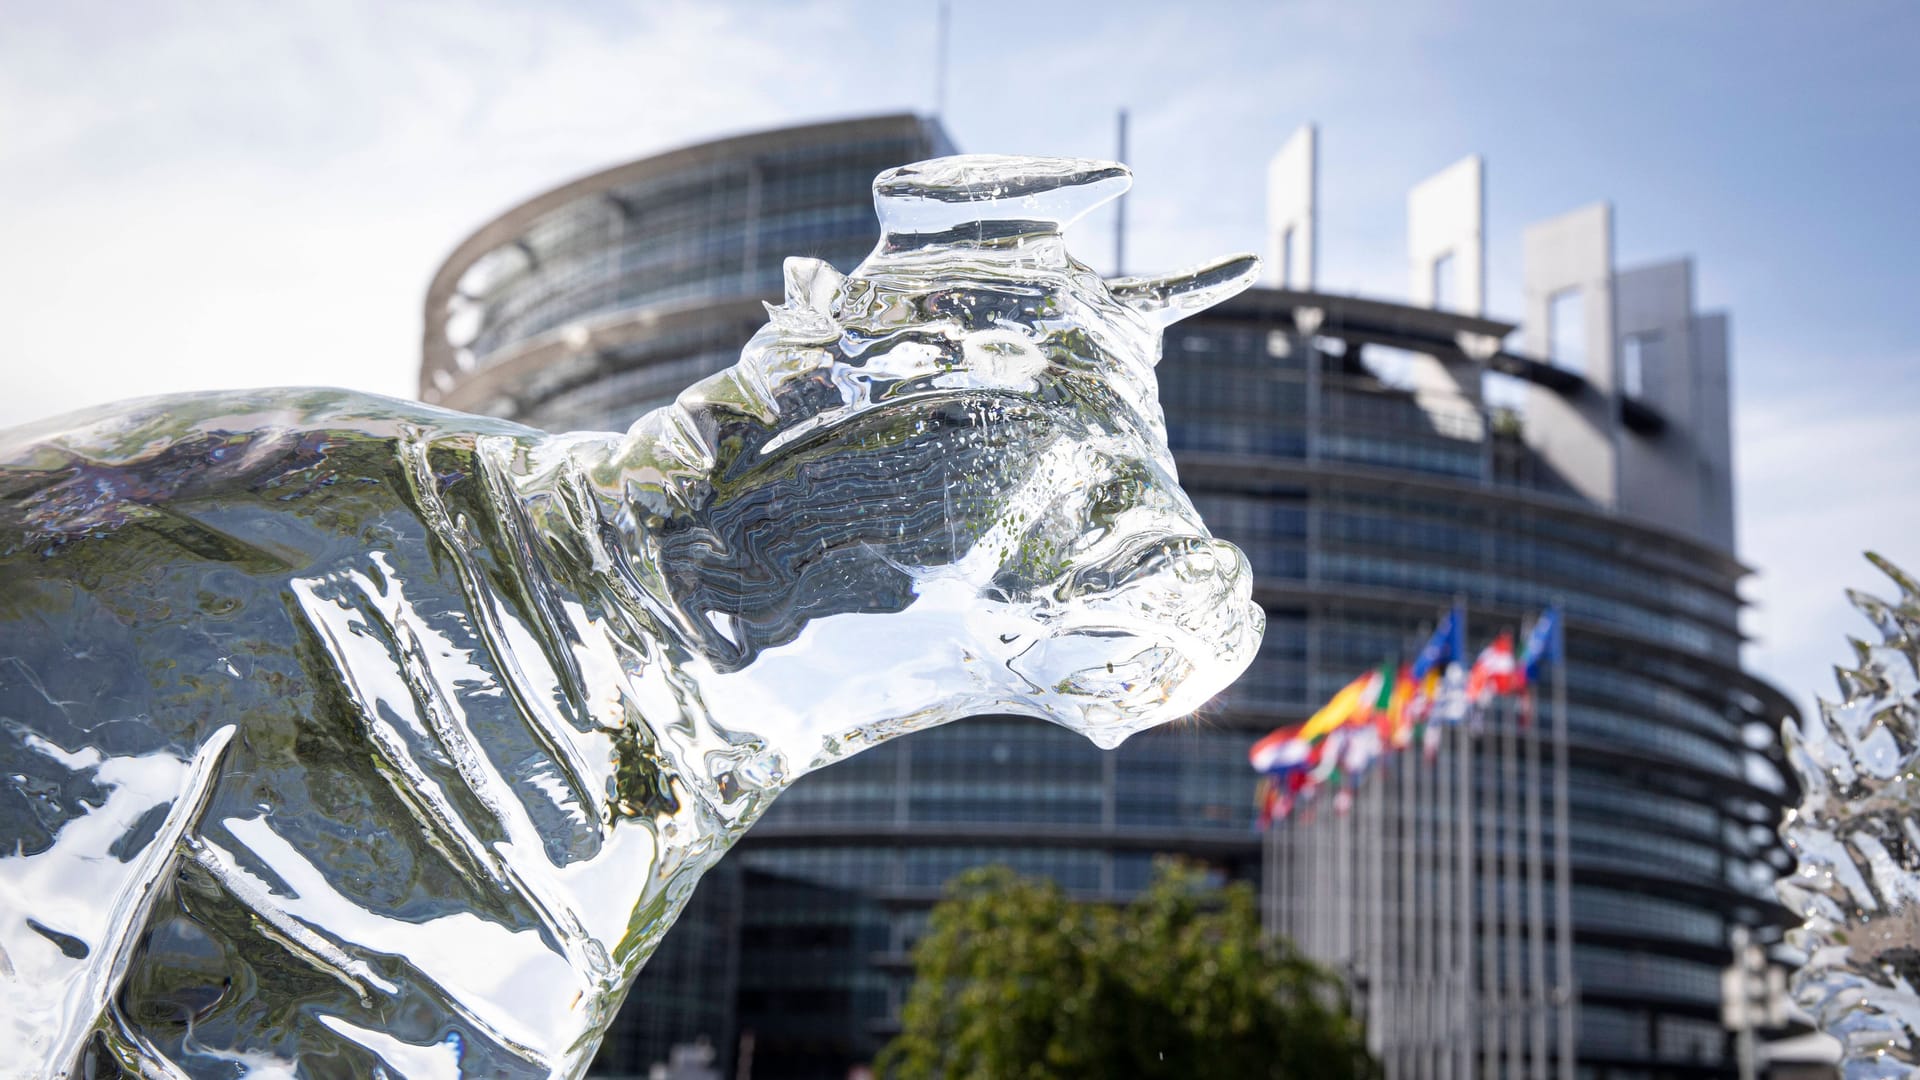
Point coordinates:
[(206, 195)]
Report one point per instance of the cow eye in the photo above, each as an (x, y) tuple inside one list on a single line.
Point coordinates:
[(1110, 498)]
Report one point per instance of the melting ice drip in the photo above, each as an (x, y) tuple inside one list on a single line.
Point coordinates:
[(1857, 835), (349, 736)]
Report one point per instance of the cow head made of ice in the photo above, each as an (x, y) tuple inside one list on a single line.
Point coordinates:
[(940, 486)]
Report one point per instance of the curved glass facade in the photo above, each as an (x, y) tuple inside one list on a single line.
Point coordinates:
[(687, 229), (1364, 507), (1365, 511), (583, 309)]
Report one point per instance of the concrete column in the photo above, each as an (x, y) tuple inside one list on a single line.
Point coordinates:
[(1446, 237), (1569, 269), (1446, 230), (1674, 362), (1293, 188)]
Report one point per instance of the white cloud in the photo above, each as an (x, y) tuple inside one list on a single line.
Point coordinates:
[(218, 194), (1824, 478), (212, 195), (228, 201)]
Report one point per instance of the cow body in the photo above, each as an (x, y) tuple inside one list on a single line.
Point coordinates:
[(335, 719), (353, 737)]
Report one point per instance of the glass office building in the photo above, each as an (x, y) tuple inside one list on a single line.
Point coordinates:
[(1311, 430), (1367, 504), (587, 305)]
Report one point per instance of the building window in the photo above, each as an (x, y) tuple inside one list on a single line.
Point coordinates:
[(1446, 295), (1639, 354), (1567, 330)]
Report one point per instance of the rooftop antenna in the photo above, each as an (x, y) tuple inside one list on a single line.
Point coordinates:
[(940, 63), (1120, 207)]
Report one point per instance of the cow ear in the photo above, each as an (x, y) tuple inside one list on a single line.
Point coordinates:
[(1164, 300), (990, 195), (811, 283)]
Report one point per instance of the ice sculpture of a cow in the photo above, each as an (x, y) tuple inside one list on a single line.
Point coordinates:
[(345, 736)]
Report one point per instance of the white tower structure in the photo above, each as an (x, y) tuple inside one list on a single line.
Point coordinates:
[(1293, 189), (1446, 238)]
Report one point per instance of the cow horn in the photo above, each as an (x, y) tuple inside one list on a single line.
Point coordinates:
[(986, 196), (811, 283), (1172, 297)]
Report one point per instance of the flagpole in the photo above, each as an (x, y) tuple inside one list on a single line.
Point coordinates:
[(1300, 870), (1379, 1009), (1269, 900), (1329, 861), (1442, 988), (1289, 877), (1496, 929), (1276, 896), (1488, 892), (1322, 878), (1336, 912), (1409, 920), (1417, 953), (1337, 837), (1513, 888), (1385, 814), (1378, 806), (1316, 912), (1344, 831), (1290, 888), (1428, 914), (1307, 819), (1315, 879), (1416, 1008), (1537, 997), (1463, 988), (1563, 868), (1467, 781)]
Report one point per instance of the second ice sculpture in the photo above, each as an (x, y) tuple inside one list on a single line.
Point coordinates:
[(1856, 833), (345, 736)]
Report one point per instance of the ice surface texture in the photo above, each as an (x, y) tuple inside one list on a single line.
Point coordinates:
[(1857, 835), (345, 736)]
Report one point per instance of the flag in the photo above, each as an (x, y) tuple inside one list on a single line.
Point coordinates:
[(1403, 722), (1543, 644), (1282, 807), (1337, 711), (1446, 646), (1322, 767), (1363, 748), (1449, 703), (1439, 674), (1368, 698), (1285, 750), (1328, 756), (1279, 752), (1279, 798), (1380, 697), (1302, 758), (1426, 694), (1494, 672), (1298, 786), (1364, 736)]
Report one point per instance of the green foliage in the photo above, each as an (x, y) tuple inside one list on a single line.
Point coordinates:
[(1014, 980)]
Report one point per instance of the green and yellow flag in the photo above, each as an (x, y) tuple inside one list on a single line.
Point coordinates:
[(1337, 711)]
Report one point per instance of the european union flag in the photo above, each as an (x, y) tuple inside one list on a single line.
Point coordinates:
[(1543, 643), (1447, 645)]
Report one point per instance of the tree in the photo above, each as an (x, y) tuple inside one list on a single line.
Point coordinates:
[(1015, 980)]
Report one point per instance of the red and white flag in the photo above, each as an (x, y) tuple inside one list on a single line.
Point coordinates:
[(1495, 672)]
